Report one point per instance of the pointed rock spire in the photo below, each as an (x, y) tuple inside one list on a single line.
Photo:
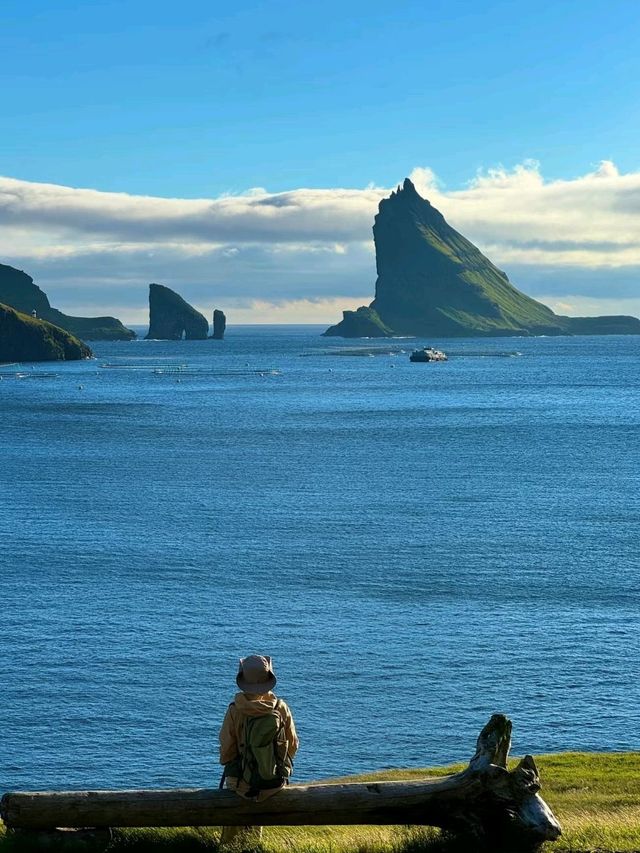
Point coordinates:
[(432, 281)]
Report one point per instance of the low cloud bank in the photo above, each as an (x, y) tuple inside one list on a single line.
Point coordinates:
[(300, 255)]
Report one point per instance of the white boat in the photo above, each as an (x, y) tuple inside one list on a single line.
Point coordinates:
[(427, 354)]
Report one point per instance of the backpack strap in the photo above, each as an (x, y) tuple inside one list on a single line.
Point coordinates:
[(279, 707), (224, 771)]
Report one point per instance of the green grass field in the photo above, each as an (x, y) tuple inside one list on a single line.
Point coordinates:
[(596, 797)]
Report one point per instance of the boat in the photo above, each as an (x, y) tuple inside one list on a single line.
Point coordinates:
[(428, 354)]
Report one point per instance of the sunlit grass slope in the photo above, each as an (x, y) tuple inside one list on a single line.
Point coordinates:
[(596, 797)]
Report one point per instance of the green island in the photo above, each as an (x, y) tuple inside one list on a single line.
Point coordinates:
[(595, 796), (433, 281)]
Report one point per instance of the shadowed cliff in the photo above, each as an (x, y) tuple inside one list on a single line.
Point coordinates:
[(18, 290), (171, 318), (219, 324)]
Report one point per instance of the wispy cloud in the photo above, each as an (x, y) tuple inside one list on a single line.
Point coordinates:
[(588, 221), (576, 241)]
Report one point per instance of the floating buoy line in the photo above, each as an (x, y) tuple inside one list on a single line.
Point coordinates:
[(162, 369), (21, 373), (17, 371)]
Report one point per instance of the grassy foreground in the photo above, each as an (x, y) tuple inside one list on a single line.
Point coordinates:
[(596, 798)]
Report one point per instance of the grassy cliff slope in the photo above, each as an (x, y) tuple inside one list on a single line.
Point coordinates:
[(23, 338), (432, 281)]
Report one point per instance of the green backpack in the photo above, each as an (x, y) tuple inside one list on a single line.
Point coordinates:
[(263, 762)]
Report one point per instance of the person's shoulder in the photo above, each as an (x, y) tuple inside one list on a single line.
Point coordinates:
[(283, 705)]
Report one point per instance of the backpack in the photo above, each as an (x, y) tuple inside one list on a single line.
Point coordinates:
[(263, 762)]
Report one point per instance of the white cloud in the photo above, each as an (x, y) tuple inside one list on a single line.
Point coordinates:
[(574, 240), (590, 221), (300, 215), (580, 306)]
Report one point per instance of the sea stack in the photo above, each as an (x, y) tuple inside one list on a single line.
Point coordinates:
[(219, 324), (25, 338), (18, 290), (433, 282), (171, 318)]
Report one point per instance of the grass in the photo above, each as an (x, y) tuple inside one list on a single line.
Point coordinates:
[(596, 798)]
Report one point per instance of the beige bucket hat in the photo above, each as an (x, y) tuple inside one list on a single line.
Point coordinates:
[(255, 674)]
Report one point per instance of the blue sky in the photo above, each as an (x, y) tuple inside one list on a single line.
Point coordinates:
[(195, 100)]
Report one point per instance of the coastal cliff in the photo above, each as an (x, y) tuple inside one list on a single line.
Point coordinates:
[(432, 281), (24, 338), (171, 318), (18, 290)]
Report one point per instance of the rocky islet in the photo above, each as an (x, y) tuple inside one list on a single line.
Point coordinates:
[(171, 318), (219, 325), (432, 281)]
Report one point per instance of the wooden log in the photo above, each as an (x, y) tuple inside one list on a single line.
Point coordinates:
[(485, 800)]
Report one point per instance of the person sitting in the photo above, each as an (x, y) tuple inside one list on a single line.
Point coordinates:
[(258, 739)]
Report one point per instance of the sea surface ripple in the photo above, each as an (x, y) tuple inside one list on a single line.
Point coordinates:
[(416, 545)]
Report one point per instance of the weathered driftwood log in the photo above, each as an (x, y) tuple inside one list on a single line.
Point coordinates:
[(485, 799)]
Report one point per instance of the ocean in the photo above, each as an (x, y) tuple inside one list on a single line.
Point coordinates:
[(416, 545)]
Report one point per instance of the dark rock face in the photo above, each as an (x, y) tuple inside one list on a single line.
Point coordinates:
[(173, 319), (24, 338), (363, 323), (432, 281), (219, 324), (18, 290)]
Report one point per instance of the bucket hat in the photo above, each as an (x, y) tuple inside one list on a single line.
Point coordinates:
[(255, 674)]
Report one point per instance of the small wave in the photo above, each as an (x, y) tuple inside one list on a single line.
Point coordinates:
[(29, 375), (364, 352), (483, 354)]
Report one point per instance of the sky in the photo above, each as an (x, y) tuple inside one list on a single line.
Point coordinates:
[(238, 152)]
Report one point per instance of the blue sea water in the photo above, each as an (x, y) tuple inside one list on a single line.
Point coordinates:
[(416, 545)]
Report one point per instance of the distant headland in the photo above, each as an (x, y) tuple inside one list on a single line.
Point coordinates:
[(27, 312), (432, 281), (18, 290)]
